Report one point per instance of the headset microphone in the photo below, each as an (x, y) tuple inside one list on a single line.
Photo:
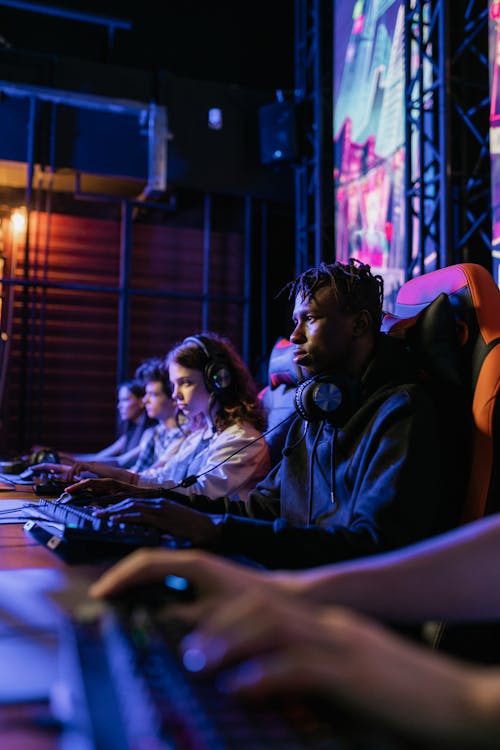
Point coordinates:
[(189, 481), (288, 450)]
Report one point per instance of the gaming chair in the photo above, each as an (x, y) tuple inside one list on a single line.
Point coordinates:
[(475, 303), (278, 395)]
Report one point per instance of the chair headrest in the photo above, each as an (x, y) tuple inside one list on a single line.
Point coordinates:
[(282, 368), (472, 291), (432, 336), (475, 301)]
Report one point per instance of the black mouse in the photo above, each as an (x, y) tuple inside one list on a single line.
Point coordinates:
[(49, 488)]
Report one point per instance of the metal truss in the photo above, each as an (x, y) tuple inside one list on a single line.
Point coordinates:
[(469, 98), (447, 107), (427, 147), (313, 96)]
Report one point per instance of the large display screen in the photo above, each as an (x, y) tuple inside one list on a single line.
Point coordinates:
[(369, 136)]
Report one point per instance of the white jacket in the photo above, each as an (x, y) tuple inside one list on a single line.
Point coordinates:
[(228, 463)]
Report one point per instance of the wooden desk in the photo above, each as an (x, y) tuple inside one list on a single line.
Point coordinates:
[(30, 725), (17, 548)]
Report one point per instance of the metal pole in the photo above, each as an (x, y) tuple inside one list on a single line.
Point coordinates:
[(245, 351), (207, 248), (124, 290), (445, 248), (23, 375)]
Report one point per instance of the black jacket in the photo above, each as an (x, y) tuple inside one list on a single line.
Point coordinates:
[(384, 489)]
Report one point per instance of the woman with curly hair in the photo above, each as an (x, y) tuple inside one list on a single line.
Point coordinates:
[(217, 397)]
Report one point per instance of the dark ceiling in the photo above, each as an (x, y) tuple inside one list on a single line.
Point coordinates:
[(247, 44)]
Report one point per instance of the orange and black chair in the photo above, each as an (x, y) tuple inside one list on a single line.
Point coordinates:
[(465, 354), (470, 355)]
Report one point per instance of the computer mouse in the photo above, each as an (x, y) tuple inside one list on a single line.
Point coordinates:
[(30, 473), (85, 497), (49, 488)]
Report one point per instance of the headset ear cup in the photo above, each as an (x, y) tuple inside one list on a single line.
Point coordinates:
[(217, 377), (323, 397)]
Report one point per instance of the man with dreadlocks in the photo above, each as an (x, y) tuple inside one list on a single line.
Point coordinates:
[(360, 470)]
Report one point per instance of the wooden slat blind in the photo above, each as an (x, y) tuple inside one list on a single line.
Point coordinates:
[(62, 370)]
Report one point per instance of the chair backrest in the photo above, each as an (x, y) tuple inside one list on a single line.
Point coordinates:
[(475, 301), (278, 396)]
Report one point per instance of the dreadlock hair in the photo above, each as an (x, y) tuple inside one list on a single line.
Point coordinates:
[(353, 285)]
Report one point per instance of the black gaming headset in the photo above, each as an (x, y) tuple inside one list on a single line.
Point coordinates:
[(333, 397), (216, 373)]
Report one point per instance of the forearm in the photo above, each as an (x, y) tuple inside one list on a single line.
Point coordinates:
[(111, 450), (127, 459), (278, 544), (112, 472), (452, 576)]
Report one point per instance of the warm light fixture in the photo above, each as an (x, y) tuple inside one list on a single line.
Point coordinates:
[(18, 221)]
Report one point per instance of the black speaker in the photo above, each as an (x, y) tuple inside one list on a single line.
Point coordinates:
[(217, 374), (331, 397), (278, 132)]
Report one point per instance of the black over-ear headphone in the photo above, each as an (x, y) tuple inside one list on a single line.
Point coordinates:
[(331, 397), (216, 373)]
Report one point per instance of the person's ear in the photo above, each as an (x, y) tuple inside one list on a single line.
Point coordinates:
[(362, 323)]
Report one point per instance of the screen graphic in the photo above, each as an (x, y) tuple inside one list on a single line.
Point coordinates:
[(369, 136)]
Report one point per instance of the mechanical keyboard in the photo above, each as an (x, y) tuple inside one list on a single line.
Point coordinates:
[(127, 660), (76, 534)]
